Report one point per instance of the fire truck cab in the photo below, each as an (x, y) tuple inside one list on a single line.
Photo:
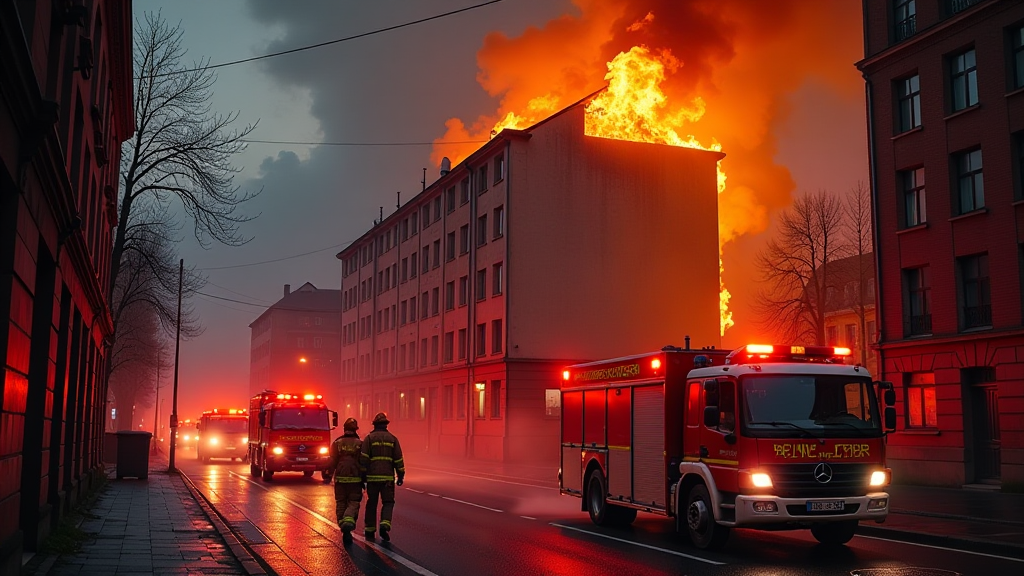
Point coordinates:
[(222, 433), (289, 433), (767, 437)]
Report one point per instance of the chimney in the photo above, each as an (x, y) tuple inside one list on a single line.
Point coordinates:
[(446, 166), (287, 289)]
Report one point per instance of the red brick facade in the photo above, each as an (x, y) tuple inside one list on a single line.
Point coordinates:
[(65, 108), (945, 89)]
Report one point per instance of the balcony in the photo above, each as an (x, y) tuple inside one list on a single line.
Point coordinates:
[(957, 6), (917, 325), (977, 316), (906, 28)]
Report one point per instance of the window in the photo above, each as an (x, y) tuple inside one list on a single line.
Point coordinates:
[(970, 185), (963, 80), (871, 336), (480, 398), (405, 269), (481, 180), (449, 346), (496, 336), (908, 91), (462, 344), (481, 284), (496, 279), (481, 230), (425, 259), (446, 402), (449, 248), (433, 350), (435, 301), (905, 19), (413, 268), (300, 342), (415, 222), (851, 335), (499, 168), (412, 355), (463, 290), (426, 215), (921, 405), (481, 339), (495, 394), (464, 191), (423, 352), (977, 305), (1017, 57), (437, 208), (449, 200), (464, 239), (912, 185), (1018, 166), (460, 400), (499, 222), (412, 309), (831, 335), (424, 305), (917, 301), (449, 295), (318, 342), (437, 253)]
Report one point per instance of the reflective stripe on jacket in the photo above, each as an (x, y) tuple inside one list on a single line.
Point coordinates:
[(382, 456), (345, 463)]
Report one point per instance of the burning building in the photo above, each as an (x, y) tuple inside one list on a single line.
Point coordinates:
[(543, 247)]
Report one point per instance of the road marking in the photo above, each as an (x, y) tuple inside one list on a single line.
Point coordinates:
[(471, 504), (891, 540), (648, 546), (528, 517), (544, 486), (396, 557)]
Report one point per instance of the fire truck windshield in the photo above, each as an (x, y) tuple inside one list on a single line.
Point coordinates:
[(819, 405), (300, 419), (228, 425)]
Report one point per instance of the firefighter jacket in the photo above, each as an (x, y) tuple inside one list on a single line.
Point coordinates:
[(382, 456), (344, 460)]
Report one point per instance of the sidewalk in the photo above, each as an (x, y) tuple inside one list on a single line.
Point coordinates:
[(162, 526), (155, 526)]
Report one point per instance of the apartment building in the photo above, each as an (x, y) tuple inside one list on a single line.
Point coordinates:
[(544, 247), (945, 89), (296, 342), (850, 318), (65, 109)]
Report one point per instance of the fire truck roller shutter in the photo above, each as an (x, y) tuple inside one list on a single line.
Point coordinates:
[(649, 478)]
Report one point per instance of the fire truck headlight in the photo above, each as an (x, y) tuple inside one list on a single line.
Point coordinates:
[(761, 480), (278, 450), (323, 449), (245, 440), (187, 437), (879, 478), (213, 441)]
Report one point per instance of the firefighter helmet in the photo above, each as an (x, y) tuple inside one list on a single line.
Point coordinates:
[(351, 424), (381, 418)]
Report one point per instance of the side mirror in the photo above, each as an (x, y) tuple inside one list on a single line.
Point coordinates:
[(263, 418), (890, 397), (711, 392), (334, 419), (711, 417), (890, 418)]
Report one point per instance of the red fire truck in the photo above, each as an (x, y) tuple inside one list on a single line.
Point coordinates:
[(769, 437), (222, 433), (289, 433)]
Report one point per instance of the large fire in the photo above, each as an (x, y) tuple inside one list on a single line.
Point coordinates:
[(634, 107)]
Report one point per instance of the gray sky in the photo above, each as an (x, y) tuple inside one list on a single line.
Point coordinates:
[(402, 86)]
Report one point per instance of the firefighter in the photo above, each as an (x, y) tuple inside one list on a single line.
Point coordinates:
[(382, 459), (346, 467)]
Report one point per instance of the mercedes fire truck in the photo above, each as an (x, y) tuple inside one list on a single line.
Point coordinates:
[(289, 433), (765, 437), (222, 433)]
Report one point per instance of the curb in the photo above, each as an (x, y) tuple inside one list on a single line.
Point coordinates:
[(965, 543), (246, 557)]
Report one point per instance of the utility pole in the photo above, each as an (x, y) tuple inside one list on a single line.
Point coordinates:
[(156, 405), (177, 347)]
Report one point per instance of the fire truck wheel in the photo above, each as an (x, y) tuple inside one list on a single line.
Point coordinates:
[(704, 532), (268, 475), (254, 471), (597, 506), (324, 475), (834, 533), (308, 473)]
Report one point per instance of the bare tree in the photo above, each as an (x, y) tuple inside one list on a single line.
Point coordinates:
[(795, 271), (857, 209)]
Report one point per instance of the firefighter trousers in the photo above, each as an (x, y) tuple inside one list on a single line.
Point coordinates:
[(347, 496), (385, 491)]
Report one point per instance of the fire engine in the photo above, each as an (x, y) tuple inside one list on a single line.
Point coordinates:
[(289, 432), (222, 433), (764, 437)]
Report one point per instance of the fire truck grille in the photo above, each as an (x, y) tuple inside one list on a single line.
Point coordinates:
[(806, 480)]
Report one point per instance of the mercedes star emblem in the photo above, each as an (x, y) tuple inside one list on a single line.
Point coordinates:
[(823, 473)]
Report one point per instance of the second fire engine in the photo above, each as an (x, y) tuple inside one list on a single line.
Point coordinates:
[(770, 437), (289, 433)]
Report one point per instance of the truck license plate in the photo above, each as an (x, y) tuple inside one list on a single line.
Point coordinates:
[(301, 459), (827, 506)]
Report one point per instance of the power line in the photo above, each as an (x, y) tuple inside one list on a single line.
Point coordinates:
[(360, 143), (233, 292), (322, 44), (276, 259)]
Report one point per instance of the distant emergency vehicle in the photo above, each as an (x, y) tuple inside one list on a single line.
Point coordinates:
[(289, 433), (772, 437), (222, 433)]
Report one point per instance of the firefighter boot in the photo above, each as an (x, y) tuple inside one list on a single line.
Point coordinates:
[(368, 535), (384, 533)]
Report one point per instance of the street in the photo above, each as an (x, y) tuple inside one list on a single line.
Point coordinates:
[(455, 522)]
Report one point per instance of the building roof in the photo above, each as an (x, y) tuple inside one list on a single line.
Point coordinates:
[(305, 298)]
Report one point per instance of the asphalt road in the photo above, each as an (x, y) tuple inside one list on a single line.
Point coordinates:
[(451, 523)]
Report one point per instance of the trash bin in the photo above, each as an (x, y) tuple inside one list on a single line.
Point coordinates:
[(133, 454)]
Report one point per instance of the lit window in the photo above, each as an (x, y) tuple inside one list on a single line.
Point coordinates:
[(921, 405)]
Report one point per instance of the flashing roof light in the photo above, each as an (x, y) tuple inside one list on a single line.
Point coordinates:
[(841, 351), (565, 375), (656, 364), (767, 353)]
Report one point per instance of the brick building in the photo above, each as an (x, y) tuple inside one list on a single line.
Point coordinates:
[(543, 247), (295, 343), (945, 92), (65, 108), (850, 319)]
